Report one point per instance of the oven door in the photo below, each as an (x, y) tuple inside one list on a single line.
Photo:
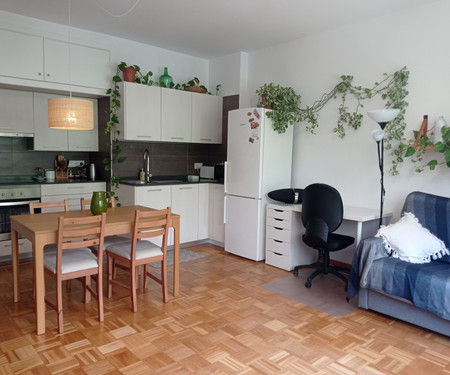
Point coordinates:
[(9, 208)]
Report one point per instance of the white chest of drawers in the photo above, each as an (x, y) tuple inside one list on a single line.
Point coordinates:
[(284, 238)]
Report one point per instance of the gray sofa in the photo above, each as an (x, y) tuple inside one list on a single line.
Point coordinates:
[(415, 293)]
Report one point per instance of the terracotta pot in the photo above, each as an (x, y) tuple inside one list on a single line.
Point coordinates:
[(263, 98), (129, 75)]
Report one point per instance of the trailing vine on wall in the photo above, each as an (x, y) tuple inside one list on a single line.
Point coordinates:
[(392, 90)]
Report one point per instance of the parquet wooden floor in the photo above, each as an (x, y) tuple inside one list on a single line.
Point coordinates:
[(222, 323)]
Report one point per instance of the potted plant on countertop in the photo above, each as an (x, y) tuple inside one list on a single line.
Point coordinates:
[(284, 104)]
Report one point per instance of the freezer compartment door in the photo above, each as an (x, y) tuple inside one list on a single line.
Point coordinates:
[(244, 155), (244, 227)]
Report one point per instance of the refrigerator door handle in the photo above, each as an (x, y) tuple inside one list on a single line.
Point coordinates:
[(225, 176), (225, 209)]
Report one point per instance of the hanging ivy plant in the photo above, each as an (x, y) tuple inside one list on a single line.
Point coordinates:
[(392, 90), (111, 125)]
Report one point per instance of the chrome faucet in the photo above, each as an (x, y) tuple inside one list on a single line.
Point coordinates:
[(147, 165)]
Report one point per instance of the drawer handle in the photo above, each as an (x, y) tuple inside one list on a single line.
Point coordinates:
[(278, 241), (279, 254), (278, 210), (277, 219), (277, 228)]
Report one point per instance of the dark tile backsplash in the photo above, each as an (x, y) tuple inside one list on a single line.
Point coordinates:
[(166, 159), (18, 158)]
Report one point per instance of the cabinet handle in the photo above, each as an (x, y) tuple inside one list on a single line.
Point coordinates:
[(48, 74), (176, 137), (39, 73), (144, 136), (277, 219), (52, 147), (279, 254), (278, 241), (205, 139), (185, 188), (75, 187), (154, 190), (277, 228)]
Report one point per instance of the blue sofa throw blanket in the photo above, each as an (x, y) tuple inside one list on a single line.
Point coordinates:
[(426, 285)]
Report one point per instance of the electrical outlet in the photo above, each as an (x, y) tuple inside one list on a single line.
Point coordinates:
[(198, 165)]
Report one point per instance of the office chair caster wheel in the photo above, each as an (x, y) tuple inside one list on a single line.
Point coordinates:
[(295, 272), (308, 284)]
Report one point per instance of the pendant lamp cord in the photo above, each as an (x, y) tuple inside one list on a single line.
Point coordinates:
[(119, 15), (70, 58)]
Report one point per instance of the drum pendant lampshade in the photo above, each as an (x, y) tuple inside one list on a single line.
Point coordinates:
[(70, 113)]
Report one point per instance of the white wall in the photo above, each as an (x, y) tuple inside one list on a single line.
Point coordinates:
[(417, 38), (182, 67)]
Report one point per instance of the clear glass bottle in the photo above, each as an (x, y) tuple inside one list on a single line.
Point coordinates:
[(438, 124)]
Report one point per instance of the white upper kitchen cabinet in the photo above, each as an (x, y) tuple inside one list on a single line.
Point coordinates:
[(140, 112), (206, 118), (32, 57), (88, 65), (176, 115), (46, 139), (185, 204), (22, 55), (16, 111)]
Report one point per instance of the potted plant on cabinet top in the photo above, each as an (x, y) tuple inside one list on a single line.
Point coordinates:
[(284, 104), (192, 85)]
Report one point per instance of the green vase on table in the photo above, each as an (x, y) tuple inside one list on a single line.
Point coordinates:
[(99, 203)]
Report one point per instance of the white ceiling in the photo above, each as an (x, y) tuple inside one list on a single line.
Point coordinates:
[(208, 28)]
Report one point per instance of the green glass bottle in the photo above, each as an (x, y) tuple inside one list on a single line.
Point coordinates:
[(165, 80)]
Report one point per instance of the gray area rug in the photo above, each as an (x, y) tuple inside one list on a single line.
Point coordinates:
[(185, 256), (326, 294)]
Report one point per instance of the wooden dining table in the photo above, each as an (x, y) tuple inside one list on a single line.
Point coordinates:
[(42, 229)]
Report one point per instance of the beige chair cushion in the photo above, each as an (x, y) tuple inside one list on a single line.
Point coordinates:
[(72, 260), (144, 249)]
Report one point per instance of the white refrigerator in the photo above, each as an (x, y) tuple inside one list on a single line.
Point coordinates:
[(259, 160)]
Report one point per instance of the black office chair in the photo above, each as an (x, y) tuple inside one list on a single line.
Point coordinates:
[(322, 213)]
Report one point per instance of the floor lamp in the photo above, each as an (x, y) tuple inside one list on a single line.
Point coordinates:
[(382, 117)]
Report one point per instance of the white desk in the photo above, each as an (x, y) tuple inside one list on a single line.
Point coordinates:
[(285, 248)]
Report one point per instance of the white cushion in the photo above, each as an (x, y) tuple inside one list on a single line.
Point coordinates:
[(408, 240), (72, 260), (144, 249), (112, 240)]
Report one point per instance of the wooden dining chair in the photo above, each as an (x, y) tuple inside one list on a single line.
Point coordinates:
[(109, 240), (74, 260), (53, 206), (138, 251)]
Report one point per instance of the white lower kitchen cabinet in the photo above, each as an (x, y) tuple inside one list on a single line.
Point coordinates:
[(185, 204), (200, 207), (46, 139), (284, 231), (216, 224), (72, 191), (204, 191)]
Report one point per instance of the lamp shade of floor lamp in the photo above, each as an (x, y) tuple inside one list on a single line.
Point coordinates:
[(382, 117)]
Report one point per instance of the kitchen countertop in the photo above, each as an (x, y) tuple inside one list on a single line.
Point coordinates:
[(29, 180), (166, 180)]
